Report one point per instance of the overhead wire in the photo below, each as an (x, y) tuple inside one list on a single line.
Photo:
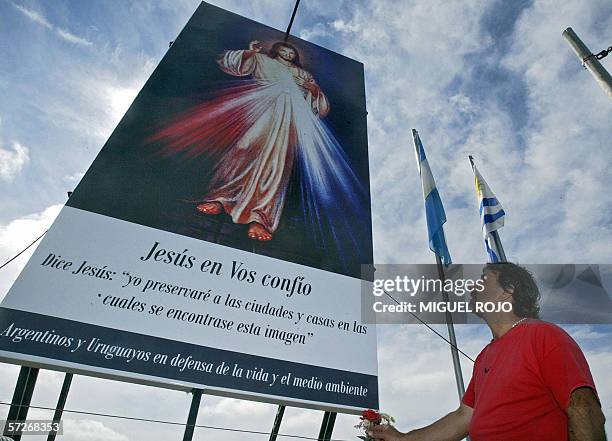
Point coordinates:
[(172, 423), (24, 250), (432, 329)]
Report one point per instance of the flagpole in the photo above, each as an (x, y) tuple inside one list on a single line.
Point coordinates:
[(449, 319), (500, 248), (494, 234), (451, 334), (590, 61)]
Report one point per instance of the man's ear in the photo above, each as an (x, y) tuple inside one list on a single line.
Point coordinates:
[(508, 293)]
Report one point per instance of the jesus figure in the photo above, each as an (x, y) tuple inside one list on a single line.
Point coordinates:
[(263, 124), (251, 179)]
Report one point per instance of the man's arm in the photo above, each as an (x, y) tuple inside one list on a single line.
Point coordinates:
[(452, 427), (586, 420)]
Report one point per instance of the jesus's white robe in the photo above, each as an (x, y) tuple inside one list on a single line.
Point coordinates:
[(252, 177)]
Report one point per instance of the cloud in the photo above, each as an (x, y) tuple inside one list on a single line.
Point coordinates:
[(75, 177), (314, 32), (90, 430), (34, 16), (15, 236), (341, 25), (8, 373), (119, 100), (70, 37), (37, 17), (13, 160), (92, 99), (228, 407)]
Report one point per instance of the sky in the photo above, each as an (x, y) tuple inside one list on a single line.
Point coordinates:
[(490, 78)]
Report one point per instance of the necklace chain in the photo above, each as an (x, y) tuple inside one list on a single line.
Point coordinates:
[(518, 322)]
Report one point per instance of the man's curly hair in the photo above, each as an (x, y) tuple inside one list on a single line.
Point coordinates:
[(526, 294)]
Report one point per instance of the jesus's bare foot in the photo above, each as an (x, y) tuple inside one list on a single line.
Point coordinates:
[(258, 232), (210, 208)]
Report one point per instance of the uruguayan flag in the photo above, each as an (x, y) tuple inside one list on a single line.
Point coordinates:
[(492, 216), (434, 210)]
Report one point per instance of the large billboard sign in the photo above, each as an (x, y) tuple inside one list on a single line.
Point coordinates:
[(216, 240)]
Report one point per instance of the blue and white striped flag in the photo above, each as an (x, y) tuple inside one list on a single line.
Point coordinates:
[(492, 215), (434, 210)]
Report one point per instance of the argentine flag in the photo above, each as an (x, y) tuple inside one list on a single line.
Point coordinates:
[(434, 211), (492, 216)]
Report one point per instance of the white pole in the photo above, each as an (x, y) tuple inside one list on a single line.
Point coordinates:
[(450, 327), (589, 60)]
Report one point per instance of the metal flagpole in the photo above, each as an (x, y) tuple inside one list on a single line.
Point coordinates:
[(427, 181), (494, 234), (451, 334), (590, 61), (500, 248)]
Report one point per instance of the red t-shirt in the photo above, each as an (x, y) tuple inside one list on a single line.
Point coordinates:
[(522, 382)]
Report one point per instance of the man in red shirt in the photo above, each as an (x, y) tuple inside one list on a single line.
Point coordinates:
[(531, 383)]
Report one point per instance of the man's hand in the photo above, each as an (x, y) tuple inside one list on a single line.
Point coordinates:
[(385, 433), (452, 427), (586, 420)]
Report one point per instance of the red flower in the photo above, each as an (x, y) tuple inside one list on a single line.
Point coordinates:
[(371, 415)]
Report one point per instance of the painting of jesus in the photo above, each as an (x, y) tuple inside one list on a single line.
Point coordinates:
[(261, 124), (252, 178)]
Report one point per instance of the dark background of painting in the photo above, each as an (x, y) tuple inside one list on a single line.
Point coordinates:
[(129, 181)]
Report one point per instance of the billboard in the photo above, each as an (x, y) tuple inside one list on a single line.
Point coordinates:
[(217, 239)]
